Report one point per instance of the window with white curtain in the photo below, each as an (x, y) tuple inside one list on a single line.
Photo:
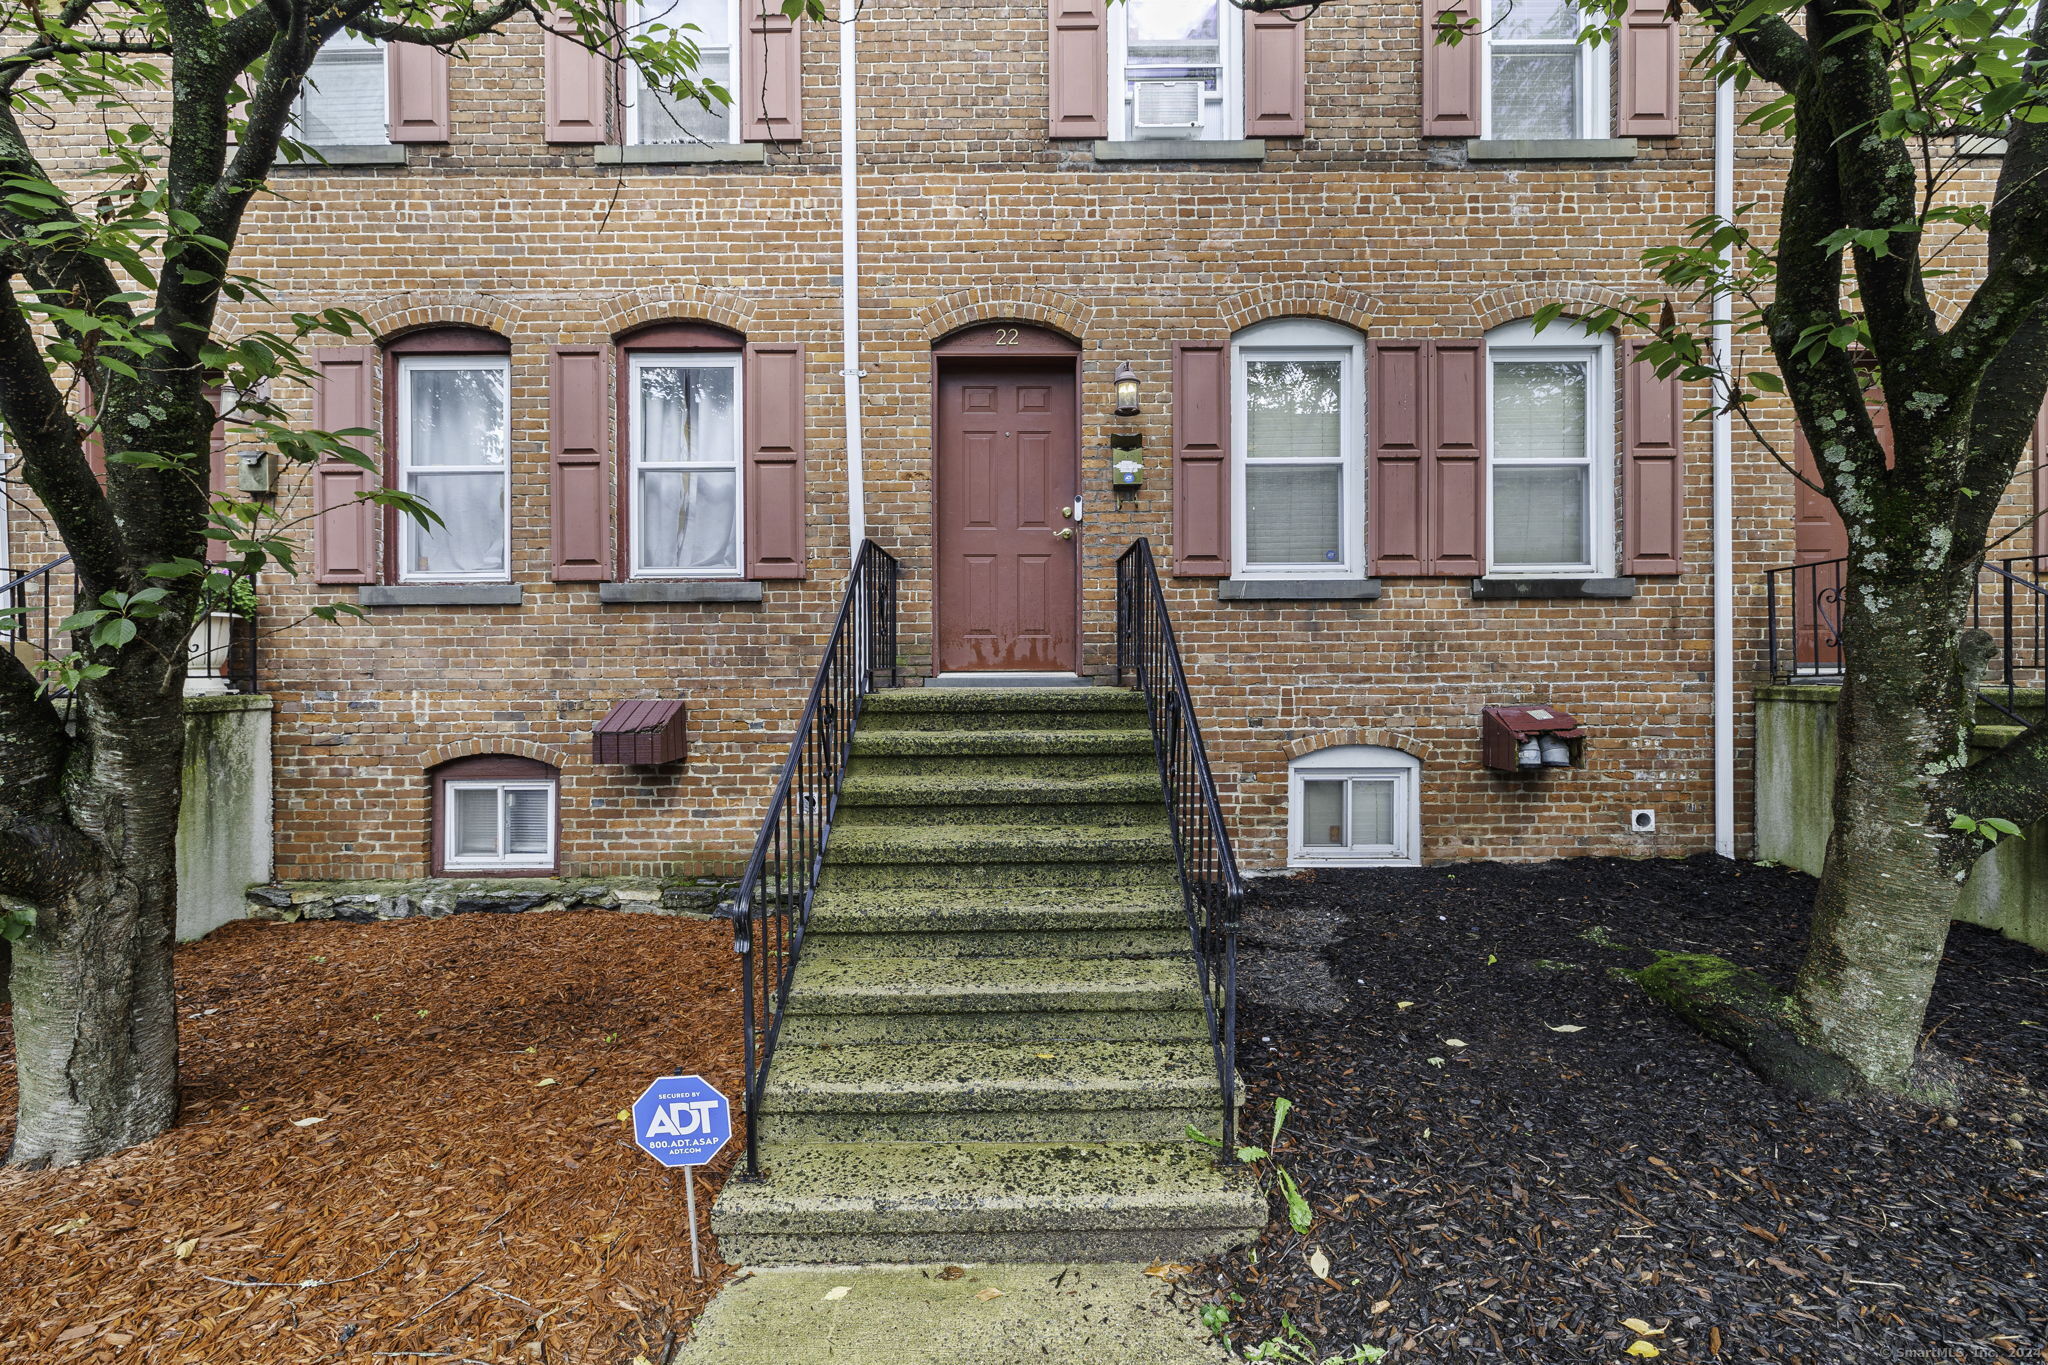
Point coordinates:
[(454, 443), (1541, 81), (1550, 438), (1175, 69), (655, 117), (1355, 804), (342, 102), (685, 434), (492, 824), (1297, 418)]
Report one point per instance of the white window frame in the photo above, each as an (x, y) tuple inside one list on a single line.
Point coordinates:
[(661, 11), (1301, 339), (1229, 81), (383, 94), (408, 529), (637, 463), (1561, 341), (1594, 94), (451, 826), (1347, 763)]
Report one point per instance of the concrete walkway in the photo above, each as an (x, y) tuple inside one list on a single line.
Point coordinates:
[(915, 1315)]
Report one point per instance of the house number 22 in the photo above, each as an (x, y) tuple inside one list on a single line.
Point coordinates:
[(1006, 336)]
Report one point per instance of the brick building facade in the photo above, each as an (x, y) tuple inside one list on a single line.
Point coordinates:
[(1383, 212)]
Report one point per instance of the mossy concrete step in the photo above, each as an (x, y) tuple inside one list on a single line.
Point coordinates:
[(1061, 943), (863, 788), (918, 845), (979, 1025), (854, 1203), (991, 1092), (1083, 922), (1024, 879), (999, 743), (917, 985), (982, 701), (1125, 814), (1062, 765), (1029, 709)]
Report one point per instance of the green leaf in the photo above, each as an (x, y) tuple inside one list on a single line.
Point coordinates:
[(1299, 1216)]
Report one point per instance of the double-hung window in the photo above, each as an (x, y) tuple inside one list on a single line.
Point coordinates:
[(1298, 420), (685, 439), (494, 824), (1354, 805), (454, 440), (653, 117), (1542, 83), (1175, 69), (342, 102), (1550, 436)]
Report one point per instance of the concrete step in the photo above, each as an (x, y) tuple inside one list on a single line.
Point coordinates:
[(919, 845), (1025, 985), (895, 1202), (1056, 764), (865, 788), (1007, 742), (1125, 814), (1082, 922), (1018, 1026), (1023, 879), (1094, 708), (997, 1091)]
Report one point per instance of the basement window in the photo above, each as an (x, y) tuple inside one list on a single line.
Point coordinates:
[(495, 813), (1356, 805)]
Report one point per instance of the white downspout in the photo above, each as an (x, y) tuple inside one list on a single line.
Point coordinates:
[(1724, 490), (849, 283)]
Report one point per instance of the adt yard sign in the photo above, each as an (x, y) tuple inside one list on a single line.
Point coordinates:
[(682, 1121)]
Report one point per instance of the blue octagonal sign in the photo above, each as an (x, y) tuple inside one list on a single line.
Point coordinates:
[(682, 1121)]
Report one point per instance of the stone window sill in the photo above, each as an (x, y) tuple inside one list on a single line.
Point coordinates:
[(685, 154), (681, 590), (1550, 589), (367, 154), (1551, 149), (1182, 149), (1298, 590), (443, 595), (1978, 145)]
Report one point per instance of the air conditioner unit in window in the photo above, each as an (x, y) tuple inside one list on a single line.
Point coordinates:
[(1166, 106)]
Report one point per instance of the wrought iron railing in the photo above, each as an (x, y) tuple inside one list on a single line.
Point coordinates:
[(34, 606), (1211, 890), (772, 904), (1804, 624)]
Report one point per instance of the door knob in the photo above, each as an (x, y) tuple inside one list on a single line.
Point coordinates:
[(1065, 533)]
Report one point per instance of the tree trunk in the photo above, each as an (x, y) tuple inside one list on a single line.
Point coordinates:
[(95, 1016), (1888, 890)]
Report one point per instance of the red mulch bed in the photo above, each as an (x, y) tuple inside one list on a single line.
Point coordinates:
[(468, 1191)]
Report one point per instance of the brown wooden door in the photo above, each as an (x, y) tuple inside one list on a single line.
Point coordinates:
[(1008, 463), (1820, 544)]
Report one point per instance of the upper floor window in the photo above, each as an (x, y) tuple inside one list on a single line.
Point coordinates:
[(453, 428), (1175, 69), (1550, 433), (343, 101), (1299, 476), (655, 117), (684, 433), (1542, 83)]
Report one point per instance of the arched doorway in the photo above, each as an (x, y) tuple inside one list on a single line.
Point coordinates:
[(1006, 484)]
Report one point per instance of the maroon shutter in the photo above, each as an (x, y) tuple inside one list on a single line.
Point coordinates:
[(216, 469), (579, 491), (2041, 480), (419, 92), (1649, 70), (573, 102), (1450, 75), (771, 75), (1653, 469), (775, 460), (1456, 480), (344, 544), (1077, 73), (1397, 375), (1201, 459), (1276, 74)]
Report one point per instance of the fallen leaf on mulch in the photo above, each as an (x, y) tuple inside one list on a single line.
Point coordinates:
[(1641, 1328), (1566, 1028), (838, 1291), (451, 1215), (1167, 1270), (990, 1293)]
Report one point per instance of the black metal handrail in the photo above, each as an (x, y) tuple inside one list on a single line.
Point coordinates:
[(772, 904), (2010, 604), (1212, 892), (35, 605)]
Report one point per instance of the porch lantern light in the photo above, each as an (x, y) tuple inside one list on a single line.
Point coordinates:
[(1126, 389)]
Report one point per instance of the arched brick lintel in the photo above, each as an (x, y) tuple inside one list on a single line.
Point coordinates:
[(991, 303), (1296, 299), (479, 748), (397, 314), (1384, 739), (679, 303)]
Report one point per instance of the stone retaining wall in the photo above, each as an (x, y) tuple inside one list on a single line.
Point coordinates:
[(362, 902)]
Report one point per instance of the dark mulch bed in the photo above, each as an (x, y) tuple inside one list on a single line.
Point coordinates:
[(1518, 1197)]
